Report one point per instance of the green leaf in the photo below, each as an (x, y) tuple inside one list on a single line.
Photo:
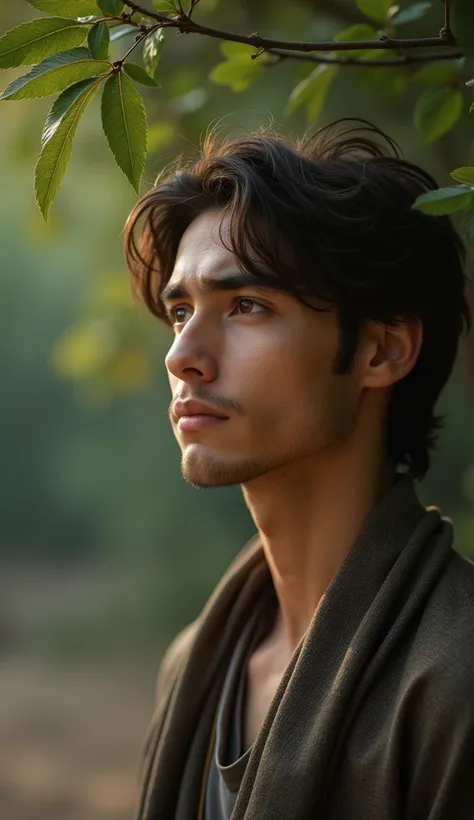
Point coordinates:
[(412, 13), (312, 91), (467, 226), (442, 73), (239, 71), (152, 50), (56, 153), (121, 31), (436, 111), (377, 54), (165, 6), (98, 41), (445, 200), (32, 42), (67, 8), (55, 74), (124, 123), (237, 51), (111, 8), (375, 9), (462, 23), (61, 106), (361, 31), (137, 73), (385, 80), (464, 175)]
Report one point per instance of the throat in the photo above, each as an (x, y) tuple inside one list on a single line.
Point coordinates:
[(265, 670)]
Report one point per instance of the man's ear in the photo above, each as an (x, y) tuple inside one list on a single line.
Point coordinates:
[(392, 351)]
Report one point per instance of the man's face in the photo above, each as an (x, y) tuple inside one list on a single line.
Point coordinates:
[(259, 358)]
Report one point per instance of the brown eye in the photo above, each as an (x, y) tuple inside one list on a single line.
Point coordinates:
[(178, 314), (245, 306)]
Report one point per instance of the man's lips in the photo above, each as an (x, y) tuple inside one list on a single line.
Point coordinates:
[(193, 415), (198, 422)]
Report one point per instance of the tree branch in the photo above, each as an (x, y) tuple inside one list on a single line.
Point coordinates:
[(409, 59), (187, 26)]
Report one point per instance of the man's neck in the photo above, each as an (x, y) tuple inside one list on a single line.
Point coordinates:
[(308, 515)]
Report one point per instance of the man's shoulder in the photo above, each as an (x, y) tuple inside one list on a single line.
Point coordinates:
[(443, 644), (174, 659)]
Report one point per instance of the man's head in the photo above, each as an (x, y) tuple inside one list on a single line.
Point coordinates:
[(309, 300)]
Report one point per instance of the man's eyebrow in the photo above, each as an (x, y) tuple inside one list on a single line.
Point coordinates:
[(233, 280)]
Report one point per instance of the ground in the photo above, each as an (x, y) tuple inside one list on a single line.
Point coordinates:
[(70, 739), (71, 728)]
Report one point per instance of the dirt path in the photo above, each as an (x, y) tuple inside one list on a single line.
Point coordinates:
[(70, 737)]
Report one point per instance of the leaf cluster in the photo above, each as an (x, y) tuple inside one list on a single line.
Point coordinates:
[(69, 54)]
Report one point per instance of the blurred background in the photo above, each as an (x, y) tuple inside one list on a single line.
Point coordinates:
[(105, 553)]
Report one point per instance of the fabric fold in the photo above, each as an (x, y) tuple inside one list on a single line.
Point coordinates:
[(366, 615)]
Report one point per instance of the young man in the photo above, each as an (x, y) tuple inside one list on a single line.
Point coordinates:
[(316, 318)]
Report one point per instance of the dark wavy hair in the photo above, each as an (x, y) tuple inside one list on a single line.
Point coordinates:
[(328, 215)]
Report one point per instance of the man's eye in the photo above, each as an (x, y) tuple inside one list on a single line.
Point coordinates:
[(246, 306), (178, 314), (243, 306)]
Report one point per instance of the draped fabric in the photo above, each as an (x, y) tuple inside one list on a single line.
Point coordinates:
[(374, 716)]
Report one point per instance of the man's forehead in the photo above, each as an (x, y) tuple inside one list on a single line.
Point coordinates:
[(201, 249)]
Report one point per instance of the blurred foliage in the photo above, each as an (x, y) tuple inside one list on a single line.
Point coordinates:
[(90, 466)]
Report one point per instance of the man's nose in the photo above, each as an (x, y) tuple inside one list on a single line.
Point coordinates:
[(190, 357)]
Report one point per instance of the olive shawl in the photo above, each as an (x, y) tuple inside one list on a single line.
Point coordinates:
[(374, 716)]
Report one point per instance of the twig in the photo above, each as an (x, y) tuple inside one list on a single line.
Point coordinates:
[(118, 64), (447, 16), (187, 26), (409, 59), (87, 22), (192, 5)]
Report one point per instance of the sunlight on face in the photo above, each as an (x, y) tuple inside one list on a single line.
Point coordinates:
[(258, 357)]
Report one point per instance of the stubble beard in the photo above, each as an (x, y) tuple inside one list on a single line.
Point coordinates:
[(202, 471)]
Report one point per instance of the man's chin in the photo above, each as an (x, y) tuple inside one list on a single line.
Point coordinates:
[(206, 470)]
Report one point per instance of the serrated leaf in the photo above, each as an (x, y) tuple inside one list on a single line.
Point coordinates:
[(111, 8), (152, 50), (462, 23), (61, 106), (137, 73), (55, 74), (125, 125), (32, 42), (67, 8), (121, 31), (375, 9), (98, 41), (412, 13), (56, 153), (436, 111), (441, 73), (445, 200), (467, 226), (464, 175), (312, 91), (165, 6), (238, 74)]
